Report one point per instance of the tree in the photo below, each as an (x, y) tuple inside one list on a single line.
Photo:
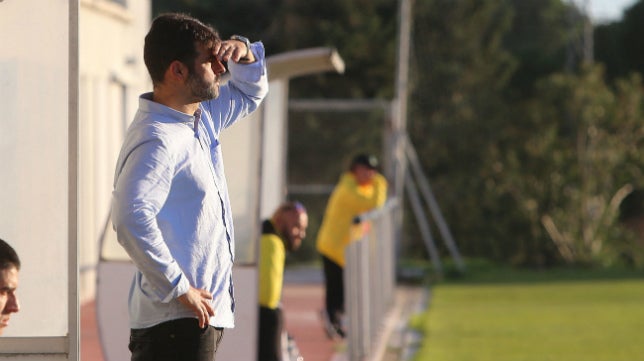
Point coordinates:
[(617, 44), (252, 17), (527, 155), (540, 38), (457, 110), (580, 163), (504, 131)]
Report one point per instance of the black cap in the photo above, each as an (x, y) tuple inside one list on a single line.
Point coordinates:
[(367, 160)]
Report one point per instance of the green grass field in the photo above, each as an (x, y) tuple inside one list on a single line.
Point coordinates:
[(535, 316)]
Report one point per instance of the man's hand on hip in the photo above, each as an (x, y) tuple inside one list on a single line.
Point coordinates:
[(199, 302)]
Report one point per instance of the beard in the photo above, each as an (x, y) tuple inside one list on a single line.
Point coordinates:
[(201, 89), (290, 243)]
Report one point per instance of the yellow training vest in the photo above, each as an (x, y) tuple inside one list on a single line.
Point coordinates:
[(347, 201)]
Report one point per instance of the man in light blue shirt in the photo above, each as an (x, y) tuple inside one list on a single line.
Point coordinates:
[(170, 206)]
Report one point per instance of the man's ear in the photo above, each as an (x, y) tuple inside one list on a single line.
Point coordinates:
[(177, 70)]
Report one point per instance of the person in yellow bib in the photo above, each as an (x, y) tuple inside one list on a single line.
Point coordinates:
[(359, 190), (283, 232)]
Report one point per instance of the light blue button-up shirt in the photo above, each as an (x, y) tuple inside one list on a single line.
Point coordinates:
[(170, 205)]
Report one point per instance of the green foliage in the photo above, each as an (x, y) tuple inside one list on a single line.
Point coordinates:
[(539, 38), (363, 32), (459, 118), (529, 163), (584, 143), (632, 27), (529, 151), (608, 49), (460, 73), (618, 44), (251, 18)]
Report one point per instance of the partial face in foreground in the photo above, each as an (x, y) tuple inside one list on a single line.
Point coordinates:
[(8, 298)]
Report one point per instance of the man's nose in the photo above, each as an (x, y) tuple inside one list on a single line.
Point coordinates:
[(13, 305), (218, 67)]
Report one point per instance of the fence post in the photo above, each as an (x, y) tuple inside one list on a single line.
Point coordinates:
[(369, 279)]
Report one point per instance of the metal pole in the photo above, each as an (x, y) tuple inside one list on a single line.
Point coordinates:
[(402, 93), (434, 208), (351, 294), (421, 218), (73, 321)]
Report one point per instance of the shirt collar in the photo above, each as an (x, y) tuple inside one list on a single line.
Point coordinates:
[(167, 114)]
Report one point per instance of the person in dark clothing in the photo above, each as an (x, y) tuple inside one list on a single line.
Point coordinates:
[(283, 232)]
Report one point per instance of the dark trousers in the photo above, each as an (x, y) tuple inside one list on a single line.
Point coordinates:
[(271, 324), (176, 340), (334, 281)]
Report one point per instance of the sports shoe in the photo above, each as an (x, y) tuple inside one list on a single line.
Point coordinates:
[(329, 327), (340, 331), (293, 350)]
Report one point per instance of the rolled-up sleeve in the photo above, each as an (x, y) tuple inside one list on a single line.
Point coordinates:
[(244, 92)]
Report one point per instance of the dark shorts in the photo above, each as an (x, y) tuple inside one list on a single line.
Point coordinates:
[(176, 340)]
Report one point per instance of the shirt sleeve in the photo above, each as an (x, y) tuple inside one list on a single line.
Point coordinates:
[(141, 189), (243, 93)]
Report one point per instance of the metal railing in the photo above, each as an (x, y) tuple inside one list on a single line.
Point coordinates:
[(369, 279)]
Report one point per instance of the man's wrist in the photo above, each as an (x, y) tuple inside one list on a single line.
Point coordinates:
[(244, 40)]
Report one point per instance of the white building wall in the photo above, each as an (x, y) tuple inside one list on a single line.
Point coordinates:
[(112, 75), (38, 97)]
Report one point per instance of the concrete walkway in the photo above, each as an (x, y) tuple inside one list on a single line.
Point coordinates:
[(90, 344), (302, 299)]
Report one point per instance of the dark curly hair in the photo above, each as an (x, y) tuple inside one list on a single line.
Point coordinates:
[(174, 36), (8, 256)]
